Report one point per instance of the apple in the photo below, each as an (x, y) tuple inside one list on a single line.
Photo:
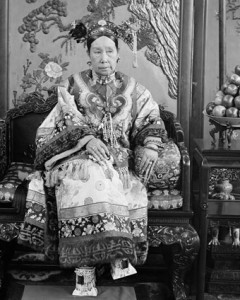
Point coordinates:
[(237, 69), (231, 89), (235, 79), (218, 100), (227, 101), (219, 111), (209, 108), (224, 86), (232, 112), (237, 102), (219, 93), (218, 97)]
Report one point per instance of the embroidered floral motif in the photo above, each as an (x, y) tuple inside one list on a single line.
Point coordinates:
[(88, 200), (99, 185), (100, 223)]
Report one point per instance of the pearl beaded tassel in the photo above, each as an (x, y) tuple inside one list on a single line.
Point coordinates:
[(108, 131)]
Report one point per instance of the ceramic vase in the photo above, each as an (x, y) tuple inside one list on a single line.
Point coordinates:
[(224, 186)]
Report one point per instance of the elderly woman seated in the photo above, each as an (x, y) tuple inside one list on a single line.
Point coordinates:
[(96, 151)]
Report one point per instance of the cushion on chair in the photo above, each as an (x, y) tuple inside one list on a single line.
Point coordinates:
[(167, 170), (16, 173), (164, 183)]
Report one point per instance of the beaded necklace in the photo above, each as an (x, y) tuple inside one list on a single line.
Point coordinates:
[(106, 87)]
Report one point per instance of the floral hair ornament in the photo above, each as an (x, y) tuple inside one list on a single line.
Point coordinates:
[(127, 32)]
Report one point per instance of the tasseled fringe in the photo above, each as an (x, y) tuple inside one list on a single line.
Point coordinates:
[(75, 169)]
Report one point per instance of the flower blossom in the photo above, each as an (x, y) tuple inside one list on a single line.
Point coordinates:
[(53, 69)]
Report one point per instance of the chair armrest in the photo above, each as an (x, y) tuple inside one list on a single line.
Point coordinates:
[(14, 211), (179, 134), (185, 176), (3, 148), (172, 125), (185, 163)]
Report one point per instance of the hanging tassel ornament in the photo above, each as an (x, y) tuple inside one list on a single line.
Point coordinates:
[(108, 131), (134, 34), (134, 27)]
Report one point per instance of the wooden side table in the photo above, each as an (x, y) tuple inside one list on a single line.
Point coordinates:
[(209, 160)]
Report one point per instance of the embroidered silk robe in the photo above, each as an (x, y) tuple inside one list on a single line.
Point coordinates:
[(98, 220)]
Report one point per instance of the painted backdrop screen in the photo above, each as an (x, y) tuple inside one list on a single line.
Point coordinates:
[(41, 55)]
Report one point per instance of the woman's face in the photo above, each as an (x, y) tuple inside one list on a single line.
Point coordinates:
[(103, 54)]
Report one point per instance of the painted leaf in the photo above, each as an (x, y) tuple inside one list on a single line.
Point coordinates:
[(64, 65), (42, 65), (37, 73), (58, 80), (32, 80), (45, 88), (45, 79), (43, 55)]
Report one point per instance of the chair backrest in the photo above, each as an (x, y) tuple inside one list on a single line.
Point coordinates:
[(21, 126)]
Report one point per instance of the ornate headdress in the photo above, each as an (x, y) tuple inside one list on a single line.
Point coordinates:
[(81, 32)]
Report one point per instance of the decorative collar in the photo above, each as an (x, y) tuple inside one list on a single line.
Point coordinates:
[(96, 78)]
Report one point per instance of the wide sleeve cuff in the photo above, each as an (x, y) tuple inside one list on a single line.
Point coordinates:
[(151, 133)]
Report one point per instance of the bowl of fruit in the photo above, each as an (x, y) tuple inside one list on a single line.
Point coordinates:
[(224, 110)]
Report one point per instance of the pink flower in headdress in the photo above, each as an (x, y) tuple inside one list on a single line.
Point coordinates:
[(53, 70)]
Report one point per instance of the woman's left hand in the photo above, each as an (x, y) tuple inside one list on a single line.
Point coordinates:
[(148, 162)]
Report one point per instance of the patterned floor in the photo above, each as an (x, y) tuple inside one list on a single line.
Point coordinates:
[(19, 279), (23, 286), (143, 291)]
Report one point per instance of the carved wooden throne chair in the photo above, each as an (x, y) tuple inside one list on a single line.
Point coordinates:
[(170, 213)]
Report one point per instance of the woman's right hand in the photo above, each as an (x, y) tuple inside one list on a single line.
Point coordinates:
[(98, 150)]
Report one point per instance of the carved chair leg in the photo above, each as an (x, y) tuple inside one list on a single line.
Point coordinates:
[(183, 260), (6, 252), (187, 240), (1, 269), (180, 266)]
